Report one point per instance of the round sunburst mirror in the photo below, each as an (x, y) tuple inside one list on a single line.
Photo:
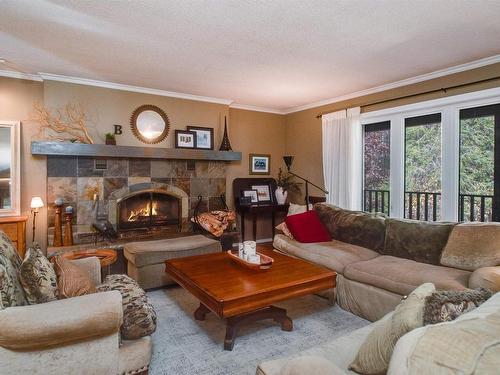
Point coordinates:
[(150, 124)]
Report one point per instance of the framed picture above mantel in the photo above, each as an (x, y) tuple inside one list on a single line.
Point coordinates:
[(204, 137), (185, 139)]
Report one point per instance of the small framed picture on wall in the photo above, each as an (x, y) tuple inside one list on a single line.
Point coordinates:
[(204, 137), (259, 164), (185, 139)]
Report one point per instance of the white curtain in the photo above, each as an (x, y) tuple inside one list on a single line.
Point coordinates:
[(342, 148)]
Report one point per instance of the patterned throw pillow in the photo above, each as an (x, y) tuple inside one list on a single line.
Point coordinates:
[(38, 277), (445, 306), (283, 228), (9, 293), (375, 353), (8, 252), (71, 280), (11, 290), (139, 316)]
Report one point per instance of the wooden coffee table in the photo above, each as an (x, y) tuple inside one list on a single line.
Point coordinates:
[(240, 295)]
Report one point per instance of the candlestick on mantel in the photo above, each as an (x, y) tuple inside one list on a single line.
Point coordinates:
[(68, 228), (58, 223)]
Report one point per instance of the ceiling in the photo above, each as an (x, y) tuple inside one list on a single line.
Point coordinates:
[(278, 54)]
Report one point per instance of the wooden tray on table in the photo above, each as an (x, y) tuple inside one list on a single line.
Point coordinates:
[(266, 262)]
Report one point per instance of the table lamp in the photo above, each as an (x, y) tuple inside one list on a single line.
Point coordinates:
[(288, 162), (36, 204)]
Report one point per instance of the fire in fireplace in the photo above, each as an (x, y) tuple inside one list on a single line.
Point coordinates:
[(149, 210)]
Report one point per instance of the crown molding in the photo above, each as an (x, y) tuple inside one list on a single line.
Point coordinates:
[(404, 82), (256, 108), (19, 75), (145, 90), (139, 89)]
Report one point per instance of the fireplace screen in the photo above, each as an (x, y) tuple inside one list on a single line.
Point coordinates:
[(148, 209)]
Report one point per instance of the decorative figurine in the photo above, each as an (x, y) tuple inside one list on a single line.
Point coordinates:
[(225, 145)]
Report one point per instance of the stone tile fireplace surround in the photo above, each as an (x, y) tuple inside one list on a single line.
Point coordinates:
[(76, 180)]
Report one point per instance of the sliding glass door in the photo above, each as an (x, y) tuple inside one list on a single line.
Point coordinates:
[(479, 177), (437, 160), (422, 194), (376, 170)]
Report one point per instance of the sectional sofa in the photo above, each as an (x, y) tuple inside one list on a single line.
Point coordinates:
[(468, 345), (378, 259)]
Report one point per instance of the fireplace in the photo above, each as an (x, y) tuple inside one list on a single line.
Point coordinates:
[(149, 210)]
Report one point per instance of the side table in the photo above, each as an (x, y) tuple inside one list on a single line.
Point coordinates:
[(257, 211), (106, 257)]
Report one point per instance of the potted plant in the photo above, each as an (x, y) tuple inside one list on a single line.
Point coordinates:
[(110, 139), (285, 184)]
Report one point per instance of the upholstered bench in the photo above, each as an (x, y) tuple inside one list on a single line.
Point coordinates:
[(146, 258)]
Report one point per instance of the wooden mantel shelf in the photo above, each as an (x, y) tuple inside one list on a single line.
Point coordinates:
[(100, 150)]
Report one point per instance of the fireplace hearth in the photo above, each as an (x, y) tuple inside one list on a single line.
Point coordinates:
[(150, 210)]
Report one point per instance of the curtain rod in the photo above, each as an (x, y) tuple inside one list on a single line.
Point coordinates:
[(444, 89)]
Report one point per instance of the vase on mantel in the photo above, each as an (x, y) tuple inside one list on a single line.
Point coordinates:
[(280, 195)]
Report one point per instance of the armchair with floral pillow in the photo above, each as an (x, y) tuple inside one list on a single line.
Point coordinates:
[(73, 323)]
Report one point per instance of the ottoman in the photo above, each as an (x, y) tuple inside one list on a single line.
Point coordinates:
[(146, 258)]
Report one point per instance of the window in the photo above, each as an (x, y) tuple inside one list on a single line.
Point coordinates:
[(423, 167), (444, 158), (9, 169), (478, 179), (376, 161)]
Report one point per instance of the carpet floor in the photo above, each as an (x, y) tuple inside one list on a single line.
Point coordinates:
[(182, 345)]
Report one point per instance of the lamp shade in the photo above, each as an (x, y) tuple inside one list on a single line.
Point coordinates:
[(36, 202), (288, 161)]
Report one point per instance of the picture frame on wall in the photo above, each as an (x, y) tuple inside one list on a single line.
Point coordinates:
[(263, 193), (252, 194), (204, 137), (259, 164), (185, 139)]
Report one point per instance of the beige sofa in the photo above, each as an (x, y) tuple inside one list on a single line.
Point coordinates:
[(469, 344), (378, 260), (80, 335)]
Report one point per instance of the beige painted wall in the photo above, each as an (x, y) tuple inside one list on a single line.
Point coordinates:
[(17, 98), (303, 129), (249, 131), (297, 134), (105, 107), (261, 133)]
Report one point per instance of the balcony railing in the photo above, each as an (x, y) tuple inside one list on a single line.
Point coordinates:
[(475, 207), (377, 201), (423, 205)]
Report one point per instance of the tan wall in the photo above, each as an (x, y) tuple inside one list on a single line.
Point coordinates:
[(106, 107), (249, 131), (261, 133), (17, 98), (297, 134), (303, 129)]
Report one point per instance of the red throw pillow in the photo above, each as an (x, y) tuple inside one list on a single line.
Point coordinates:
[(307, 227)]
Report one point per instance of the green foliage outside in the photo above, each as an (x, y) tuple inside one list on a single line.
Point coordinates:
[(423, 160), (477, 155)]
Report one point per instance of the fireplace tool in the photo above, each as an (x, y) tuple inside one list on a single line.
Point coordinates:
[(101, 224)]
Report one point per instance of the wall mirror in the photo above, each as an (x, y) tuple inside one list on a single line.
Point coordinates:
[(9, 169), (149, 124)]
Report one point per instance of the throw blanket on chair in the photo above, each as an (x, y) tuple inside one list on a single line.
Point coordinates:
[(215, 222)]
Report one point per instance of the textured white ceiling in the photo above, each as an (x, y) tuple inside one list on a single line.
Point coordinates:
[(276, 54)]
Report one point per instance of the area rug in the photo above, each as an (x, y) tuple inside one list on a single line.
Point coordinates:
[(182, 345)]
